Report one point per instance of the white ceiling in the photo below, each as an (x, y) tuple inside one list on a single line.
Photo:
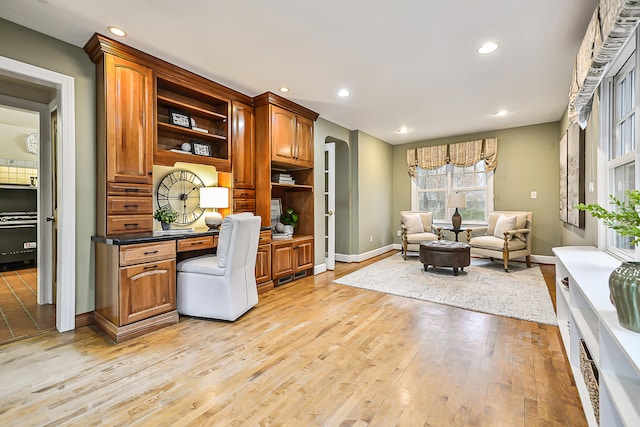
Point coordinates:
[(407, 63)]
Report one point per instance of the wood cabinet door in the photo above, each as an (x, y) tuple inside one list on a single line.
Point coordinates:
[(304, 142), (147, 290), (303, 253), (283, 135), (243, 154), (129, 120), (263, 264), (281, 260)]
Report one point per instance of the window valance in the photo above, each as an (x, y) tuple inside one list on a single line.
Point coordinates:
[(611, 24), (462, 154)]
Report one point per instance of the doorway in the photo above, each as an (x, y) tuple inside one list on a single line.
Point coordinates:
[(65, 153)]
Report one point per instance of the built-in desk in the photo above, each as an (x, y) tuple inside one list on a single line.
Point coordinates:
[(136, 279)]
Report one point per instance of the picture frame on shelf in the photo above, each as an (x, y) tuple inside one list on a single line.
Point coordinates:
[(276, 211), (201, 149), (179, 118)]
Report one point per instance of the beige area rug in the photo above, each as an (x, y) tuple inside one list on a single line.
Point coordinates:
[(484, 286)]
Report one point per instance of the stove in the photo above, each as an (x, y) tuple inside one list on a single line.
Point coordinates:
[(18, 224)]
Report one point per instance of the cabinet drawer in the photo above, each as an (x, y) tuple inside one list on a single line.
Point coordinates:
[(146, 252), (195, 243), (244, 205), (129, 205), (244, 194), (265, 237), (129, 224), (128, 189)]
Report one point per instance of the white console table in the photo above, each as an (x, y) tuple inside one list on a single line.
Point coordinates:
[(586, 313)]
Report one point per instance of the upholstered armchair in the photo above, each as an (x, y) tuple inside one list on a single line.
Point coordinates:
[(222, 286), (507, 236), (417, 227)]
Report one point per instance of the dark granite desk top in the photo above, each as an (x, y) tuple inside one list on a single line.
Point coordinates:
[(157, 236)]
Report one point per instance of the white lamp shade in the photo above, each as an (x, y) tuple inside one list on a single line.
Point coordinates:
[(214, 197), (456, 200)]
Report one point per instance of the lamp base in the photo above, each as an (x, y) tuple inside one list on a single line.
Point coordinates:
[(456, 220), (213, 220)]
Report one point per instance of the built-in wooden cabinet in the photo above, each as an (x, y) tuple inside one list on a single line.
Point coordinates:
[(202, 134), (135, 288), (243, 146), (284, 145)]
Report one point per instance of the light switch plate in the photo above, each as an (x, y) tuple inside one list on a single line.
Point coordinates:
[(534, 194)]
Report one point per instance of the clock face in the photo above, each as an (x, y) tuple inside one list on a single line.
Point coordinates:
[(179, 191)]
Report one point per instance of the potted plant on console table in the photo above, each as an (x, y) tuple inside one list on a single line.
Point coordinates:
[(623, 283), (166, 217)]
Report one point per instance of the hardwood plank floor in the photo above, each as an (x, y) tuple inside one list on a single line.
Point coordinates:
[(20, 314), (310, 353)]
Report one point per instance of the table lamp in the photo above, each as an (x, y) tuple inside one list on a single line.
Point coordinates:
[(456, 200), (213, 197)]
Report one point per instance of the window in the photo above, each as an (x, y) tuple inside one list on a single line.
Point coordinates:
[(431, 187), (619, 114)]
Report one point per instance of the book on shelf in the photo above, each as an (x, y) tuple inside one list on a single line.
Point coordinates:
[(281, 236), (175, 150), (197, 129)]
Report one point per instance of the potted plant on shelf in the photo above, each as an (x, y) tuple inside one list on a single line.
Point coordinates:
[(624, 290), (290, 219), (166, 217)]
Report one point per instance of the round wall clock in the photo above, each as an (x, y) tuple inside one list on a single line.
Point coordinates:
[(179, 191)]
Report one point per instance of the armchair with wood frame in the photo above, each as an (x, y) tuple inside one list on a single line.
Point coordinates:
[(507, 236), (417, 227)]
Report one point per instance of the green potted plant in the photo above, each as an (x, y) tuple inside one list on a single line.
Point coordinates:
[(166, 217), (623, 285), (290, 219)]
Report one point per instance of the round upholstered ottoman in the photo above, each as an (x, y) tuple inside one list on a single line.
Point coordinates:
[(443, 253)]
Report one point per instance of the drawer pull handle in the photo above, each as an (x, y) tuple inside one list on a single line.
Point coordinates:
[(131, 225), (196, 243), (151, 253), (151, 267), (132, 189), (130, 206)]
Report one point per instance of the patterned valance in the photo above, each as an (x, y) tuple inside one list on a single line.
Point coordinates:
[(462, 154), (611, 24)]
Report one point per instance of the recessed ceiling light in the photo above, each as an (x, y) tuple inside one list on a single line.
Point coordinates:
[(487, 48), (343, 93), (403, 129), (117, 31), (284, 89), (502, 113)]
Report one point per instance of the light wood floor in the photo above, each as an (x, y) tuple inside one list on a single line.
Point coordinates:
[(310, 353), (20, 314)]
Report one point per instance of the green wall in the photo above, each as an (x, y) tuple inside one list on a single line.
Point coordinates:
[(46, 52), (528, 160), (571, 235)]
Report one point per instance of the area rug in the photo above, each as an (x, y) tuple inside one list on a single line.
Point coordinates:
[(483, 286)]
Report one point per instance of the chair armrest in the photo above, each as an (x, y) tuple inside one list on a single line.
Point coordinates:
[(511, 233), (437, 231), (403, 229), (475, 231)]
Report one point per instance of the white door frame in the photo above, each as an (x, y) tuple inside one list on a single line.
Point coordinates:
[(330, 204), (44, 255), (66, 166)]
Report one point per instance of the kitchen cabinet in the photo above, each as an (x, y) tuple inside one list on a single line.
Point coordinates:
[(291, 138), (135, 288)]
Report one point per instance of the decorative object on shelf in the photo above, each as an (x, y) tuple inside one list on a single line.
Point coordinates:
[(166, 217), (201, 149), (179, 191), (456, 200), (31, 141), (196, 128), (186, 147), (214, 197), (290, 219), (179, 118), (623, 285), (276, 211)]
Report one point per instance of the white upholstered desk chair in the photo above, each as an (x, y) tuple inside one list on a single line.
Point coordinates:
[(222, 286)]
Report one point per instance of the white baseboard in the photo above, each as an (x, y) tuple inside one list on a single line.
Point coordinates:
[(365, 256), (320, 268), (543, 259)]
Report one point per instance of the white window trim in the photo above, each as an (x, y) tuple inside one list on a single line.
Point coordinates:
[(606, 118), (490, 208)]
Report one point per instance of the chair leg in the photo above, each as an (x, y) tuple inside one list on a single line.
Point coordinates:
[(404, 250), (529, 261), (505, 256)]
